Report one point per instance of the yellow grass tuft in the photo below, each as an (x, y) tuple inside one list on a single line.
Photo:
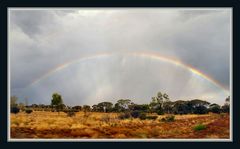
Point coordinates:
[(43, 124)]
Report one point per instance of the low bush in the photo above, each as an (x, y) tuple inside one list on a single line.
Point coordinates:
[(154, 117), (70, 112), (200, 127), (28, 111), (222, 115), (143, 116), (160, 112), (135, 114), (169, 118), (15, 110), (76, 110), (124, 115)]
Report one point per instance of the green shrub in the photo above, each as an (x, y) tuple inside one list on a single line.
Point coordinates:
[(28, 111), (200, 127), (169, 118), (160, 112), (124, 116)]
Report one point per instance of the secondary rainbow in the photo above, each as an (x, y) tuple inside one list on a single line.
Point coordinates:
[(149, 55)]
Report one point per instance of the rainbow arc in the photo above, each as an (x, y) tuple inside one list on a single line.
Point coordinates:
[(148, 55)]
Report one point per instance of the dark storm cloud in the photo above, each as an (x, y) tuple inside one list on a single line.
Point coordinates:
[(41, 40), (36, 22), (204, 43), (32, 22), (197, 37)]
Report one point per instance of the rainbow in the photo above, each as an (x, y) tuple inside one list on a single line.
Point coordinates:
[(149, 55)]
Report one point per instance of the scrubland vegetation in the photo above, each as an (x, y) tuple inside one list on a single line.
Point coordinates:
[(161, 118)]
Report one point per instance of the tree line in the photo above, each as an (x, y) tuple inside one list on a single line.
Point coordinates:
[(160, 104)]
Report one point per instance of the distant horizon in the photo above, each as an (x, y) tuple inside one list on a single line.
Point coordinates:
[(112, 101)]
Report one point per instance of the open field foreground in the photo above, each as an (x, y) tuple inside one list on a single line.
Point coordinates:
[(93, 125)]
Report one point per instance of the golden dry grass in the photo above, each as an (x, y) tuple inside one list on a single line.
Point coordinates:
[(40, 124)]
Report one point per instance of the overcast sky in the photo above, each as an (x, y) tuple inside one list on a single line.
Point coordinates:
[(42, 40)]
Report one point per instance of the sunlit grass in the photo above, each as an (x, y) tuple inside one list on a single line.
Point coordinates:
[(40, 124)]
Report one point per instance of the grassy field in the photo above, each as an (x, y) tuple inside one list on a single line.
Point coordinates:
[(41, 124)]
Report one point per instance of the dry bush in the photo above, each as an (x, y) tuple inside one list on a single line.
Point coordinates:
[(125, 115), (41, 124), (168, 118), (152, 117)]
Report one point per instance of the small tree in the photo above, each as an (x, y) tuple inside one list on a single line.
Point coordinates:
[(180, 107), (105, 107), (13, 101), (153, 106), (70, 112), (57, 102), (21, 106), (214, 108), (123, 105), (13, 105), (226, 107), (168, 106), (199, 106), (86, 108), (158, 103), (140, 107), (200, 110), (77, 108), (95, 108), (227, 100)]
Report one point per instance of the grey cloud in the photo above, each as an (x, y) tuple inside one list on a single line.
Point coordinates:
[(89, 81), (208, 40), (35, 22), (192, 40), (185, 15), (42, 40)]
